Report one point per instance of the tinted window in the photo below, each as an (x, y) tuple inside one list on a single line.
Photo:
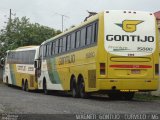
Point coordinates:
[(73, 40), (44, 50), (89, 35), (53, 48), (94, 32), (60, 45), (40, 51), (64, 44), (48, 49), (83, 36), (56, 47), (21, 57), (68, 42), (77, 39)]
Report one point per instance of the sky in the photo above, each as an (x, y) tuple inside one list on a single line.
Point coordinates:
[(47, 12)]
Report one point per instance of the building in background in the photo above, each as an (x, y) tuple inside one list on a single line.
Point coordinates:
[(157, 15)]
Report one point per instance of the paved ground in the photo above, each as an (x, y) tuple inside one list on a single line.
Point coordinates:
[(14, 100)]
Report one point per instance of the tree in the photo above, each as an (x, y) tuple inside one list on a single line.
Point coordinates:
[(20, 32)]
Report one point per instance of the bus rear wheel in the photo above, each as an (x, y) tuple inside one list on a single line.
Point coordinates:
[(74, 89), (82, 92), (26, 86), (23, 86)]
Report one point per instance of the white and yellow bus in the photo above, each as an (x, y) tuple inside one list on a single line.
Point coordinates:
[(115, 52), (19, 68)]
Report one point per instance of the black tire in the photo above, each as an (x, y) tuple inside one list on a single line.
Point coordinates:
[(7, 82), (23, 86), (74, 89), (82, 92), (128, 96), (45, 91), (26, 86)]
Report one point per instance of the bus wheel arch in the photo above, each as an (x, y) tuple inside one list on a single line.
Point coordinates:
[(73, 87)]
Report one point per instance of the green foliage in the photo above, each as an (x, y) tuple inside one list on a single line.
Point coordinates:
[(20, 32)]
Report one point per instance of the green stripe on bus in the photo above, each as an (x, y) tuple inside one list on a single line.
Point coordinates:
[(53, 74), (11, 66)]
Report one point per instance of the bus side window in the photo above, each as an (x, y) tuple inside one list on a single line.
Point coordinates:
[(60, 45), (53, 48), (68, 42), (56, 47), (89, 35), (22, 57), (49, 49), (44, 50), (15, 58), (31, 54), (19, 57), (94, 32), (83, 36), (40, 52), (77, 39), (73, 40), (64, 44), (13, 54), (26, 58)]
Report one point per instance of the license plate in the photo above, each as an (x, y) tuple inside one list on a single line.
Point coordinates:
[(135, 71)]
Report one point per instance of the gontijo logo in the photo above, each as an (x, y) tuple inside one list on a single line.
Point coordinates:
[(130, 25)]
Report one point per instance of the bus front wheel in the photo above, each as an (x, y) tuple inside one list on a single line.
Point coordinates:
[(45, 88)]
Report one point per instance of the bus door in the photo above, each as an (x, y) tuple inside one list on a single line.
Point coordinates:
[(37, 65)]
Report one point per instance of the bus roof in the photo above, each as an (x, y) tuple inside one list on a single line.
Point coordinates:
[(93, 18), (24, 48)]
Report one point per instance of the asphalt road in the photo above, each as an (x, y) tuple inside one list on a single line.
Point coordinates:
[(14, 100)]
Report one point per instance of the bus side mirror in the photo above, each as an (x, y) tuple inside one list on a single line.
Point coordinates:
[(35, 64), (2, 63)]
